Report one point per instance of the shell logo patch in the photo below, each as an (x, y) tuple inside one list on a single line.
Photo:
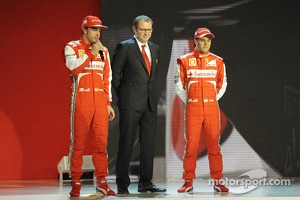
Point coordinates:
[(192, 62)]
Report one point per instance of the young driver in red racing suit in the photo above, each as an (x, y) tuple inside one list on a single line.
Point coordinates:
[(88, 61), (200, 82)]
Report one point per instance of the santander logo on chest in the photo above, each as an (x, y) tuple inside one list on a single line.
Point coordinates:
[(95, 65), (201, 73)]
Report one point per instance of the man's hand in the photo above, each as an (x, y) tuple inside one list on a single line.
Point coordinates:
[(111, 113), (97, 46)]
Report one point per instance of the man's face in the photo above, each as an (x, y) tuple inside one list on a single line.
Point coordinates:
[(91, 34), (203, 44), (143, 31)]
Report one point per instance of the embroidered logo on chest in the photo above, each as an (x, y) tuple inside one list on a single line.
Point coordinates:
[(211, 63), (192, 62)]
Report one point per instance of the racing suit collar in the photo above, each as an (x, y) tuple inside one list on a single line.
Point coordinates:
[(86, 45)]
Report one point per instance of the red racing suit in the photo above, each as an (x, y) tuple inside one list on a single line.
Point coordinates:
[(90, 97), (200, 81)]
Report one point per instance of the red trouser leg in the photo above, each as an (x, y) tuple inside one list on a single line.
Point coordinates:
[(81, 125), (100, 139), (194, 122), (212, 135)]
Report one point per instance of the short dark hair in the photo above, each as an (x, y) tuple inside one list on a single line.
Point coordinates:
[(141, 17)]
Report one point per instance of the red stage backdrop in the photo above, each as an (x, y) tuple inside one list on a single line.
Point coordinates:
[(35, 85)]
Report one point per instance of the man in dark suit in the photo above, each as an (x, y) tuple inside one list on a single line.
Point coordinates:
[(134, 79)]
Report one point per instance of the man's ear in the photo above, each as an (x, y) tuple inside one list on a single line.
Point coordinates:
[(134, 29), (195, 40)]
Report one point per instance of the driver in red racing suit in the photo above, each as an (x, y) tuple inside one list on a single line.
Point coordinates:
[(89, 63), (200, 81)]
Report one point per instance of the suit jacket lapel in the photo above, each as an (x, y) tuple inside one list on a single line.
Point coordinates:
[(153, 57), (138, 53)]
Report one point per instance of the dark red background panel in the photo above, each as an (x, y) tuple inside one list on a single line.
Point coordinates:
[(35, 85)]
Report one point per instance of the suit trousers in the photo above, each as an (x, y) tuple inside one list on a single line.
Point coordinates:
[(130, 121)]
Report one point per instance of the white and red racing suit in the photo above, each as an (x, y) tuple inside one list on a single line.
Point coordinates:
[(200, 81), (90, 97)]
